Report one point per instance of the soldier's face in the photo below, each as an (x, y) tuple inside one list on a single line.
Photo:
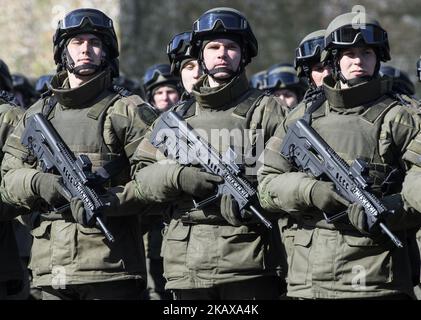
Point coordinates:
[(222, 54), (85, 49), (287, 96), (190, 74), (319, 72), (164, 97), (357, 62)]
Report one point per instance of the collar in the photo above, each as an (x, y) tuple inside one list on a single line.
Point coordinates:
[(82, 95), (221, 96), (358, 95)]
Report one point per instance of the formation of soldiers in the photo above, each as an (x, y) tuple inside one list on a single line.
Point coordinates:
[(166, 245)]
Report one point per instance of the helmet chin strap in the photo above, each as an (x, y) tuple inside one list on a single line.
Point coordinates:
[(70, 65), (231, 73), (355, 81)]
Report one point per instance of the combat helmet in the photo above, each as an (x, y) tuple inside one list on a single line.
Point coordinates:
[(6, 82), (351, 30), (159, 75), (284, 76), (309, 53), (85, 20), (223, 22), (178, 51)]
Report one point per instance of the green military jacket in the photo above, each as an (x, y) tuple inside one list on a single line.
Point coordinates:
[(10, 266), (335, 260), (200, 249), (96, 120)]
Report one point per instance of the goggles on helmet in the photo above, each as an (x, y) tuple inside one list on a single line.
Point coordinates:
[(309, 48), (177, 43), (276, 78), (76, 18), (154, 72), (348, 35), (230, 21)]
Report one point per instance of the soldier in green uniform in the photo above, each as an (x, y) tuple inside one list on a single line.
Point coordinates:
[(183, 65), (283, 82), (11, 273), (162, 89), (403, 87), (70, 259), (359, 119), (214, 253), (308, 59)]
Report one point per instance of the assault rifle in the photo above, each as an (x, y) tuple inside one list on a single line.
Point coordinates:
[(44, 142), (306, 150), (176, 138)]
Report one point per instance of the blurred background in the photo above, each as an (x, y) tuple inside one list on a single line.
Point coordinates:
[(145, 27)]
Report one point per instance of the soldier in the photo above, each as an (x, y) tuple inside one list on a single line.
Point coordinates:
[(182, 63), (185, 66), (70, 259), (6, 82), (130, 84), (41, 85), (213, 253), (308, 59), (258, 80), (162, 89), (12, 278), (346, 259), (283, 82), (23, 91), (403, 87)]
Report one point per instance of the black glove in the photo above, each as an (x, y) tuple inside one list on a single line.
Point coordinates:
[(230, 211), (197, 183), (49, 187), (324, 197)]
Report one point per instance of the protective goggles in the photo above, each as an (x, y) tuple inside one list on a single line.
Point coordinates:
[(153, 73), (76, 18), (310, 48), (178, 42), (258, 81), (230, 21), (41, 84), (348, 35), (276, 78)]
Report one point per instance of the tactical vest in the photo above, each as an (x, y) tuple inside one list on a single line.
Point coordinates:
[(361, 134), (235, 121), (82, 129)]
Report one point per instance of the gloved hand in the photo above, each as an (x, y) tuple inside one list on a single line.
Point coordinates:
[(197, 183), (230, 211), (49, 187), (119, 201), (324, 197), (78, 211), (358, 218)]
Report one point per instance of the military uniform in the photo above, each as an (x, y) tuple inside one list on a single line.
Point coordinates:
[(11, 273), (335, 260), (106, 125), (201, 251)]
